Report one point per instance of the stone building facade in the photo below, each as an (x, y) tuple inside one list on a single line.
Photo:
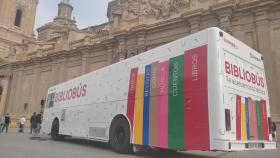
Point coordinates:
[(62, 51), (17, 19)]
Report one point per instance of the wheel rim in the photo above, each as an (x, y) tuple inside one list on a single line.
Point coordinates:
[(119, 135), (55, 129)]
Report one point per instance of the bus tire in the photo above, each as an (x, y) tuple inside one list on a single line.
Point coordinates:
[(55, 131), (120, 136)]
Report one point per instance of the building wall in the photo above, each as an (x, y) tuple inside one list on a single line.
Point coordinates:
[(11, 35)]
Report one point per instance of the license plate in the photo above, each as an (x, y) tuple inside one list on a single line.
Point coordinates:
[(254, 145)]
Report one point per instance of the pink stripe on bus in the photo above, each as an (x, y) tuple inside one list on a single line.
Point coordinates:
[(162, 91), (254, 121)]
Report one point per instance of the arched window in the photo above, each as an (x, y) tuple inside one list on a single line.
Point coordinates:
[(18, 17)]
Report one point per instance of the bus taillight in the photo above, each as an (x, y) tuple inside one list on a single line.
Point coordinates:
[(227, 117)]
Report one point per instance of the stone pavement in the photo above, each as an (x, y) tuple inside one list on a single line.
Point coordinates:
[(16, 145)]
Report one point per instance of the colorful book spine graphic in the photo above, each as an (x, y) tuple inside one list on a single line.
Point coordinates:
[(164, 102), (264, 120), (131, 95), (250, 118), (238, 118), (138, 111), (157, 107), (243, 122), (259, 120), (146, 113), (196, 116), (254, 121), (153, 111), (163, 71), (176, 103), (247, 118)]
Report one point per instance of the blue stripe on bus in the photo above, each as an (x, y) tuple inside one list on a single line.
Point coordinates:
[(146, 105), (247, 118)]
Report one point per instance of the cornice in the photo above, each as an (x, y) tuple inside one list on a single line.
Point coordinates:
[(255, 4), (166, 23), (139, 28), (120, 34), (21, 34), (193, 13), (230, 4)]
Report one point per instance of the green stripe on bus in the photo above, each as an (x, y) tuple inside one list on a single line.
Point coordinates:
[(259, 120), (176, 103)]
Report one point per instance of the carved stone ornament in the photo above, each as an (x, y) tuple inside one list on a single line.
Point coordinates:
[(116, 10), (130, 9), (163, 8)]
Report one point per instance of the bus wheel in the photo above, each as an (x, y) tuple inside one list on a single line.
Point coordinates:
[(55, 131), (120, 136)]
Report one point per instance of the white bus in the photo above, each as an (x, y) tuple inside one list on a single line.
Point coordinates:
[(206, 91)]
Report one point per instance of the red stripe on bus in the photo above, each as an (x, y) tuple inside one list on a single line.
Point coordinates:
[(131, 95), (196, 100), (264, 120), (238, 117)]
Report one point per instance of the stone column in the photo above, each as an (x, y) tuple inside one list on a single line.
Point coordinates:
[(141, 42), (122, 49), (4, 82), (109, 57), (85, 62), (10, 79), (264, 45), (63, 69), (12, 94), (224, 16), (116, 21), (54, 79), (194, 22), (34, 92), (17, 104)]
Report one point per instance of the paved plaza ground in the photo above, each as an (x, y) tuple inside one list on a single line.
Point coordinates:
[(15, 145)]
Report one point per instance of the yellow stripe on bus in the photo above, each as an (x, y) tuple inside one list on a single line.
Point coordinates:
[(138, 111), (243, 122)]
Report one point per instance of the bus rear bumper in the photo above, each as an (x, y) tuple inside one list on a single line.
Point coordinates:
[(244, 145), (250, 145)]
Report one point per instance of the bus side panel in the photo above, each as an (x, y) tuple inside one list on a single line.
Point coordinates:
[(146, 105), (176, 103), (196, 100), (153, 115), (163, 104), (138, 111)]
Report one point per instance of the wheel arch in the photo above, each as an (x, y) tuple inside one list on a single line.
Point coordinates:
[(119, 116), (55, 119)]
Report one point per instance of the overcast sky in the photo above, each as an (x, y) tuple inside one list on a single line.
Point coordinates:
[(86, 12)]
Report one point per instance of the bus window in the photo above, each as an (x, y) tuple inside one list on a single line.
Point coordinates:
[(50, 100)]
